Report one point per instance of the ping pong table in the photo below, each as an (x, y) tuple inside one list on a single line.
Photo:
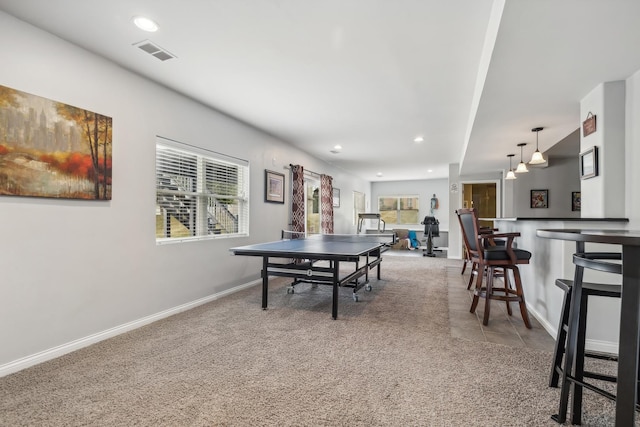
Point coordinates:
[(298, 259)]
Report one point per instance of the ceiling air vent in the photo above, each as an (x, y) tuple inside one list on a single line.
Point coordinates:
[(154, 49)]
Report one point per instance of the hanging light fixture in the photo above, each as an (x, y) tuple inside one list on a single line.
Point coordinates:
[(537, 158), (510, 174), (522, 167)]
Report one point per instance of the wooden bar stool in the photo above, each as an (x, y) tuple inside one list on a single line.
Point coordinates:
[(490, 257)]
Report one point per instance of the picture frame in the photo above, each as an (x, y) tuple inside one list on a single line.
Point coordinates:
[(589, 163), (336, 197), (66, 153), (539, 199), (273, 187), (575, 201)]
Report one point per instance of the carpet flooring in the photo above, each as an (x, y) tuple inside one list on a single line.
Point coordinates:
[(388, 360)]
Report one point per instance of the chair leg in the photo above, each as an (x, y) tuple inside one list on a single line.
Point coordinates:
[(520, 293), (476, 293), (487, 299), (507, 286), (464, 265), (561, 339), (570, 347), (474, 269), (576, 407)]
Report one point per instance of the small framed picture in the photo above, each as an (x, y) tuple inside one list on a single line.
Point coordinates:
[(539, 199), (336, 197), (575, 201), (273, 187), (589, 163)]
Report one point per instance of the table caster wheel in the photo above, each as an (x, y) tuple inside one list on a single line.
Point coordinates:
[(355, 297), (290, 290), (367, 288)]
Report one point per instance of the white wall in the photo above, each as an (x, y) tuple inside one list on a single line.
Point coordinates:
[(561, 178), (632, 151), (601, 194), (425, 189), (78, 271)]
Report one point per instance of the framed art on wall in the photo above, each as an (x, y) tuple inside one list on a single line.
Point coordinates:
[(589, 163), (575, 201), (539, 199), (52, 149), (273, 187)]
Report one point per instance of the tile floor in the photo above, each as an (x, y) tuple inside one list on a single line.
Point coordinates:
[(502, 328)]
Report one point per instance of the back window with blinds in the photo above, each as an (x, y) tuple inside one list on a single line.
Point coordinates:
[(200, 194)]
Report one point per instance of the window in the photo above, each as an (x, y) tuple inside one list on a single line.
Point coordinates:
[(200, 194), (399, 209)]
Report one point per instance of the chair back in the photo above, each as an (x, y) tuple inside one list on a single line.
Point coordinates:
[(469, 226)]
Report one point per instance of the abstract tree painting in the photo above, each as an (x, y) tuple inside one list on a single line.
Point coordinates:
[(51, 149)]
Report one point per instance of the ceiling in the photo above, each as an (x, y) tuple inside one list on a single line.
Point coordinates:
[(472, 77)]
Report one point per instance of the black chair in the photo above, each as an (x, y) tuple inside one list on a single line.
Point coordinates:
[(488, 256)]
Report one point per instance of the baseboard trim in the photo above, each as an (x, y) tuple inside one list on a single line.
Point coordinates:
[(52, 353), (608, 347)]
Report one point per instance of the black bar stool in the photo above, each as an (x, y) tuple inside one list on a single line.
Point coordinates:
[(588, 289), (574, 379)]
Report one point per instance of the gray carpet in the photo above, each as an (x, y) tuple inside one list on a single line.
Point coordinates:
[(388, 360)]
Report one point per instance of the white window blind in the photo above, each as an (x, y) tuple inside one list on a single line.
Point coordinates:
[(200, 194)]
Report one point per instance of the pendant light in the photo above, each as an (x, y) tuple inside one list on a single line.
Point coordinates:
[(522, 167), (537, 158), (510, 174)]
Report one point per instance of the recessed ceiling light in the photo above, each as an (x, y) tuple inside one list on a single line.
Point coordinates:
[(418, 139), (379, 174), (145, 24), (429, 170), (337, 147)]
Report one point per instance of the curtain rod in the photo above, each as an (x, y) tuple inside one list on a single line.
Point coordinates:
[(310, 172)]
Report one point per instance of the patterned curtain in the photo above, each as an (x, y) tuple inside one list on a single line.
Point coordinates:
[(326, 203), (297, 201)]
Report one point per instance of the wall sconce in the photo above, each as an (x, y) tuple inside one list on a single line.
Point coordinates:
[(510, 174), (522, 167), (537, 158)]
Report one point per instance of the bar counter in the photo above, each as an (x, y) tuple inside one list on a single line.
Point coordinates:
[(553, 259)]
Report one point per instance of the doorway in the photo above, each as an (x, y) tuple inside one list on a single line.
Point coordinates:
[(312, 205), (484, 197)]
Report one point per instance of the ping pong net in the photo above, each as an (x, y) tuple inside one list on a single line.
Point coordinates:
[(386, 240), (290, 234)]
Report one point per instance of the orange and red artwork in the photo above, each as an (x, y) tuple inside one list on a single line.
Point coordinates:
[(51, 149)]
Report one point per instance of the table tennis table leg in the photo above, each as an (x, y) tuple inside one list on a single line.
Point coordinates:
[(265, 281), (336, 279)]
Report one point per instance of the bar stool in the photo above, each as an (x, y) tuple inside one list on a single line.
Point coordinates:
[(588, 289), (489, 257), (573, 373)]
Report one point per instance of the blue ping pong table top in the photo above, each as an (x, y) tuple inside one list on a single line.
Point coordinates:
[(321, 245)]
